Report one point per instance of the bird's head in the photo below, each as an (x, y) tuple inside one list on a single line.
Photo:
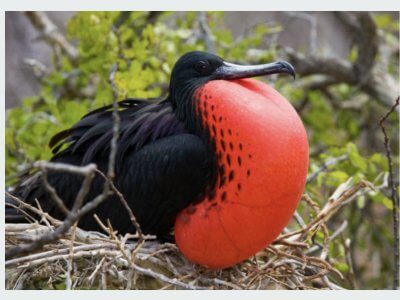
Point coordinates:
[(196, 68)]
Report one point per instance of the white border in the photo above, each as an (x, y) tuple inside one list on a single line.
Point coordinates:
[(2, 145), (174, 5), (179, 5), (202, 295)]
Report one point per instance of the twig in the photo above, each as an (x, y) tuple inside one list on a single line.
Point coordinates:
[(164, 278), (329, 162), (83, 191), (340, 197), (55, 252), (121, 55), (71, 218), (28, 216), (286, 263), (51, 33), (206, 33), (350, 263), (62, 167), (330, 284), (31, 208), (43, 216), (284, 271), (53, 193), (313, 27), (365, 72), (111, 165), (338, 231), (299, 219), (394, 197), (116, 123), (101, 224), (121, 197), (100, 264), (70, 261), (40, 70), (88, 171), (78, 254)]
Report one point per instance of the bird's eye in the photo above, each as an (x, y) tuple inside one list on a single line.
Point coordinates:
[(202, 67)]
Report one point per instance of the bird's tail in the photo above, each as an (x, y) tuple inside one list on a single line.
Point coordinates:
[(25, 191), (14, 212)]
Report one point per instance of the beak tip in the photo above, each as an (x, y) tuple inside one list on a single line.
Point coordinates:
[(287, 68)]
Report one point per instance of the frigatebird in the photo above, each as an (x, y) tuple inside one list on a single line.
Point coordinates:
[(223, 158)]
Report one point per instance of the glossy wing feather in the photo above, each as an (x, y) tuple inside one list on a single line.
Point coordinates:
[(160, 168), (142, 121)]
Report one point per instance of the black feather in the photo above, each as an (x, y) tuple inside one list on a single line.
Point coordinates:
[(165, 159), (155, 164)]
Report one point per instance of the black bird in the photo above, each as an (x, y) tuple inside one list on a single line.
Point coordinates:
[(166, 158)]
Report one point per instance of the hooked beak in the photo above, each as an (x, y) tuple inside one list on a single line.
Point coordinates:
[(232, 71)]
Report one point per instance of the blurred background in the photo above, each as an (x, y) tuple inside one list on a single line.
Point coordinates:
[(347, 78)]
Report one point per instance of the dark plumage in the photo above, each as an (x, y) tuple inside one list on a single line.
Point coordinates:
[(165, 159), (155, 183)]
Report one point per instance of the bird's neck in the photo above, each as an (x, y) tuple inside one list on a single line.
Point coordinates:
[(185, 101)]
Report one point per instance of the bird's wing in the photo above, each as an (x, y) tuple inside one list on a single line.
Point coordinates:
[(141, 122), (160, 169), (158, 181)]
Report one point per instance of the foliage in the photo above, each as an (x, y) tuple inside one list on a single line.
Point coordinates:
[(146, 51)]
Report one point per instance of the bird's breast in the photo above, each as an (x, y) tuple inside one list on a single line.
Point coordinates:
[(262, 155)]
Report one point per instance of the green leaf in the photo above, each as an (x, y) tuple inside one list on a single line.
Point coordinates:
[(336, 177), (355, 158)]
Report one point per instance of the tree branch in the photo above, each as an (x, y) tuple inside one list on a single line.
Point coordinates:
[(395, 198), (206, 33), (329, 162), (366, 72), (88, 171), (311, 19), (50, 237), (51, 33)]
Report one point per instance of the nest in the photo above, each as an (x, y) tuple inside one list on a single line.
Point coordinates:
[(92, 260)]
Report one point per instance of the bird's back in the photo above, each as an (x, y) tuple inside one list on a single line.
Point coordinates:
[(141, 122), (156, 180)]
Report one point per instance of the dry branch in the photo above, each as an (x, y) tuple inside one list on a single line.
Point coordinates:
[(366, 72), (206, 33), (122, 199), (53, 193), (329, 162), (51, 33), (311, 19), (119, 261), (55, 235), (394, 197), (78, 209)]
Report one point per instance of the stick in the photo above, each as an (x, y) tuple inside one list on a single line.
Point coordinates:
[(329, 162), (51, 33), (53, 193), (365, 72), (394, 197), (58, 232), (206, 33), (121, 197)]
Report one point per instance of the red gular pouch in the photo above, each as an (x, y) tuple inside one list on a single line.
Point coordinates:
[(262, 148)]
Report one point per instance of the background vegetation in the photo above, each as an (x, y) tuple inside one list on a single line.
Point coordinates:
[(341, 110)]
